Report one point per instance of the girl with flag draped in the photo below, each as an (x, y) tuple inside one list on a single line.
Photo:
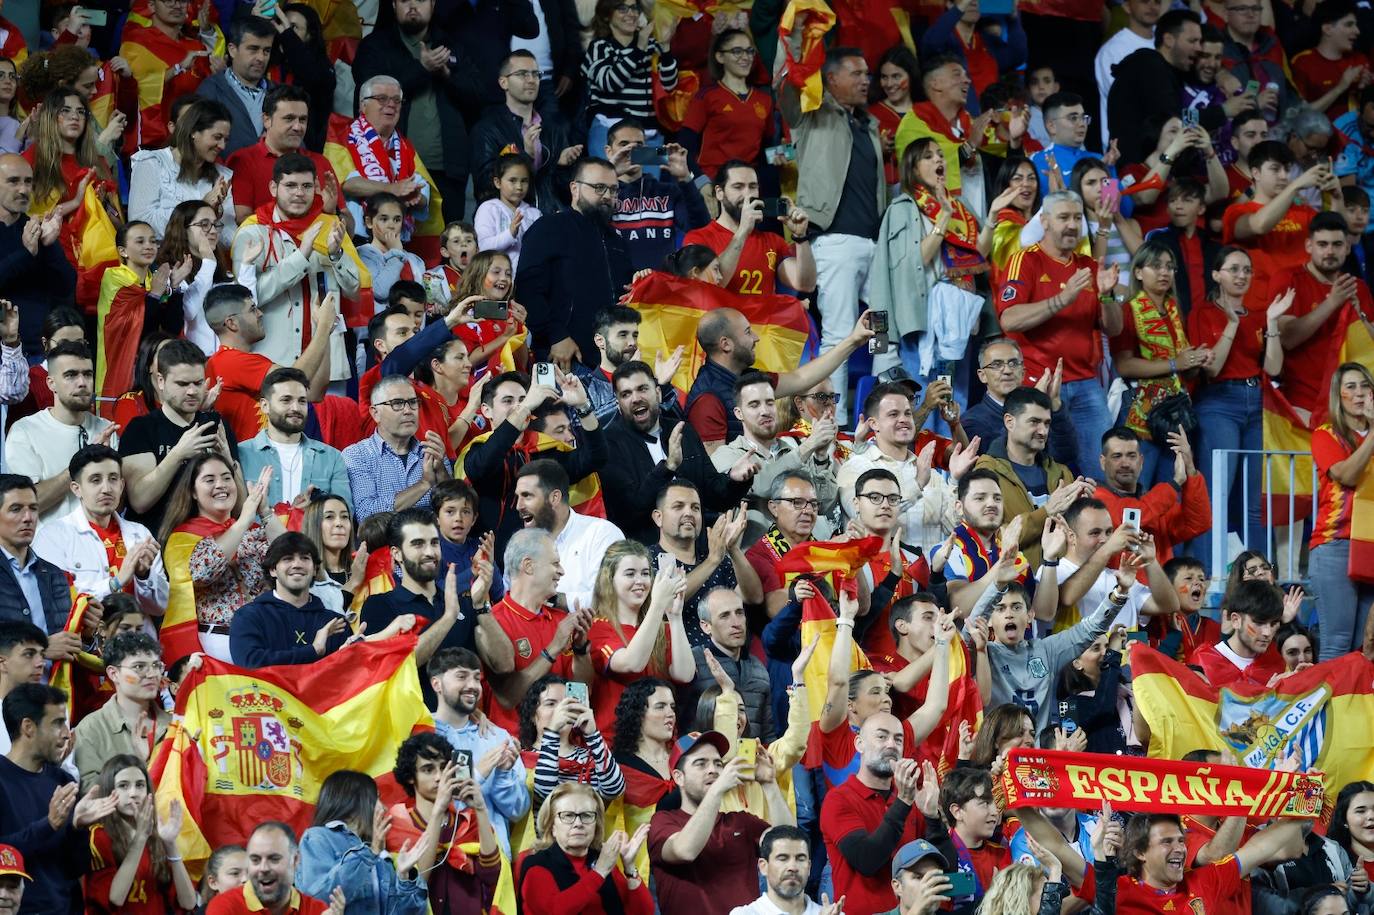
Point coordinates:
[(498, 345), (645, 726), (70, 176), (462, 871)]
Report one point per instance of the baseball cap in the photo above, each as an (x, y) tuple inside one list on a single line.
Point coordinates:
[(11, 862), (914, 851), (690, 741), (899, 375)]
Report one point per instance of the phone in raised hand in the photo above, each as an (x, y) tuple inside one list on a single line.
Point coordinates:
[(546, 374), (578, 690)]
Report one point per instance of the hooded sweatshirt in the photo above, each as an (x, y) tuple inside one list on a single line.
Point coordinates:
[(268, 631)]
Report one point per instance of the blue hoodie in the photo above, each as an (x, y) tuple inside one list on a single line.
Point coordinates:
[(268, 631)]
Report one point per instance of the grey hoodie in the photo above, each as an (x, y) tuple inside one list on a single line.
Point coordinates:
[(1027, 673)]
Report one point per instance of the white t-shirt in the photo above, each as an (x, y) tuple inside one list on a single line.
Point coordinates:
[(292, 460), (1128, 615), (1225, 651), (40, 447)]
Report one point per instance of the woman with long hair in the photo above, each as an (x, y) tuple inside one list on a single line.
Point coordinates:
[(712, 130), (1245, 348), (1018, 188), (141, 398), (560, 742), (639, 630), (898, 73), (695, 262), (1113, 236), (71, 67), (619, 68), (344, 848), (1025, 889), (1152, 352), (328, 522), (188, 169), (645, 727), (134, 862), (1176, 152), (1351, 831), (1004, 728), (573, 870), (489, 276), (1341, 449), (214, 539), (189, 249)]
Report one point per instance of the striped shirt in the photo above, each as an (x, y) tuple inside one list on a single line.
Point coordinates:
[(620, 79), (592, 764)]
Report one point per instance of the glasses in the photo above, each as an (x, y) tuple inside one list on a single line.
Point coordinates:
[(878, 498), (569, 817), (401, 405), (1238, 271), (824, 400), (1084, 119), (206, 225), (1001, 365), (386, 101), (740, 53), (69, 112), (145, 668), (523, 74), (8, 77), (601, 190), (799, 504)]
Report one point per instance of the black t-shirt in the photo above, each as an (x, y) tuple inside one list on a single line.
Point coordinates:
[(156, 434)]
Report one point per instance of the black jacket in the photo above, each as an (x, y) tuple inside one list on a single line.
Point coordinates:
[(268, 631), (484, 32), (1148, 90), (52, 585), (571, 268), (500, 128), (36, 284), (303, 66), (631, 480), (1182, 288), (384, 53)]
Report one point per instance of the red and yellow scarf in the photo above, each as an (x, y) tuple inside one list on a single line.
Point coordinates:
[(1159, 331), (959, 247)]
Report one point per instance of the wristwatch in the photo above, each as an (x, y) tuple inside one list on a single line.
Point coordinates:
[(583, 412)]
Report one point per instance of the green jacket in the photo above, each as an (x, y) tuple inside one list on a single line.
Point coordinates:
[(1016, 499), (824, 143)]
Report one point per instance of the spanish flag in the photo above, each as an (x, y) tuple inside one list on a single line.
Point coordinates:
[(840, 559), (814, 18), (378, 578), (965, 704), (65, 675), (424, 239), (119, 322), (254, 745), (1322, 714), (151, 54), (12, 44), (1283, 476), (88, 237), (644, 789), (671, 307), (180, 632), (584, 497)]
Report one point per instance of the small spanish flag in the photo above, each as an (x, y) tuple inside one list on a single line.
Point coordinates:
[(378, 578), (815, 18)]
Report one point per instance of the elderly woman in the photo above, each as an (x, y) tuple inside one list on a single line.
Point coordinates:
[(383, 160)]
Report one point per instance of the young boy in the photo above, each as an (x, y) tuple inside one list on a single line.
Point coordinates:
[(1357, 219), (455, 506), (411, 296), (1181, 635), (1253, 612), (1193, 251), (21, 661), (1066, 122), (964, 832), (1272, 221), (1041, 83), (458, 245), (1330, 75)]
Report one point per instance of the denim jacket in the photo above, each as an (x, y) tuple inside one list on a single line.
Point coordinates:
[(332, 855)]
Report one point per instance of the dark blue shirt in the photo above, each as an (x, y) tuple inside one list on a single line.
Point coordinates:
[(55, 859), (380, 609)]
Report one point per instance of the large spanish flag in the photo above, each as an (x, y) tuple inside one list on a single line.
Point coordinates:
[(151, 54), (840, 560), (644, 788), (1285, 476), (1322, 714), (119, 322), (671, 307), (814, 18), (424, 239), (254, 745)]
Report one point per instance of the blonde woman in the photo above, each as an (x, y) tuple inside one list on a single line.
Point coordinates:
[(1024, 889), (573, 870), (638, 631)]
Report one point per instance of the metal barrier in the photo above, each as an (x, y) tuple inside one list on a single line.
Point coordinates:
[(1280, 483)]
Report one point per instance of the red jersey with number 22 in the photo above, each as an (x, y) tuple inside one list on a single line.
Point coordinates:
[(757, 270)]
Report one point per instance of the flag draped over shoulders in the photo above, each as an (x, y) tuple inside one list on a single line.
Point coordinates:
[(254, 745), (119, 320), (180, 635)]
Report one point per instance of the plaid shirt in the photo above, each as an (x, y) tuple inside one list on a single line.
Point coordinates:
[(377, 474)]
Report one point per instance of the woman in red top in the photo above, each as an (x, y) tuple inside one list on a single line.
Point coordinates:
[(1341, 449), (135, 868), (638, 631), (897, 70), (1245, 347), (730, 119), (572, 871)]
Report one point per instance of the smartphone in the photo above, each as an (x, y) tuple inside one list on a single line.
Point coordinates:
[(1069, 726), (545, 374), (648, 155), (1252, 87), (1131, 516), (960, 884), (877, 322), (1138, 635), (748, 750), (1189, 118), (947, 379), (784, 150), (578, 690), (1111, 192), (879, 344), (463, 758), (775, 208), (492, 310), (100, 17)]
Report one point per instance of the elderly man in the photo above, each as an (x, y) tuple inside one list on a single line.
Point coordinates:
[(392, 470), (793, 505), (430, 80), (384, 160), (291, 251), (1051, 307), (34, 273)]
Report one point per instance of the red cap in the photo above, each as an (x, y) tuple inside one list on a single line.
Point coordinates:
[(11, 862)]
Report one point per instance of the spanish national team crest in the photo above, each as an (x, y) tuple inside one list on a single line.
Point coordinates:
[(259, 751), (522, 648)]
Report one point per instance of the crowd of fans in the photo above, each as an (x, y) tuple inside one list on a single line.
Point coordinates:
[(317, 322)]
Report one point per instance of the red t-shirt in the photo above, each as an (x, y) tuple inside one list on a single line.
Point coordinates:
[(530, 631), (1306, 367), (1207, 322), (145, 897), (1034, 275), (1204, 891), (1315, 75), (978, 61), (731, 127), (853, 806), (1220, 670), (1190, 247), (242, 374), (757, 270), (252, 167), (1286, 243), (723, 875), (1334, 501), (889, 119), (242, 901), (610, 684)]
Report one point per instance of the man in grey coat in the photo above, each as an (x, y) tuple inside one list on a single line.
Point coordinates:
[(722, 618), (243, 84)]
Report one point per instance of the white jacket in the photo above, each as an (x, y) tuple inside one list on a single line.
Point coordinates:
[(70, 543)]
